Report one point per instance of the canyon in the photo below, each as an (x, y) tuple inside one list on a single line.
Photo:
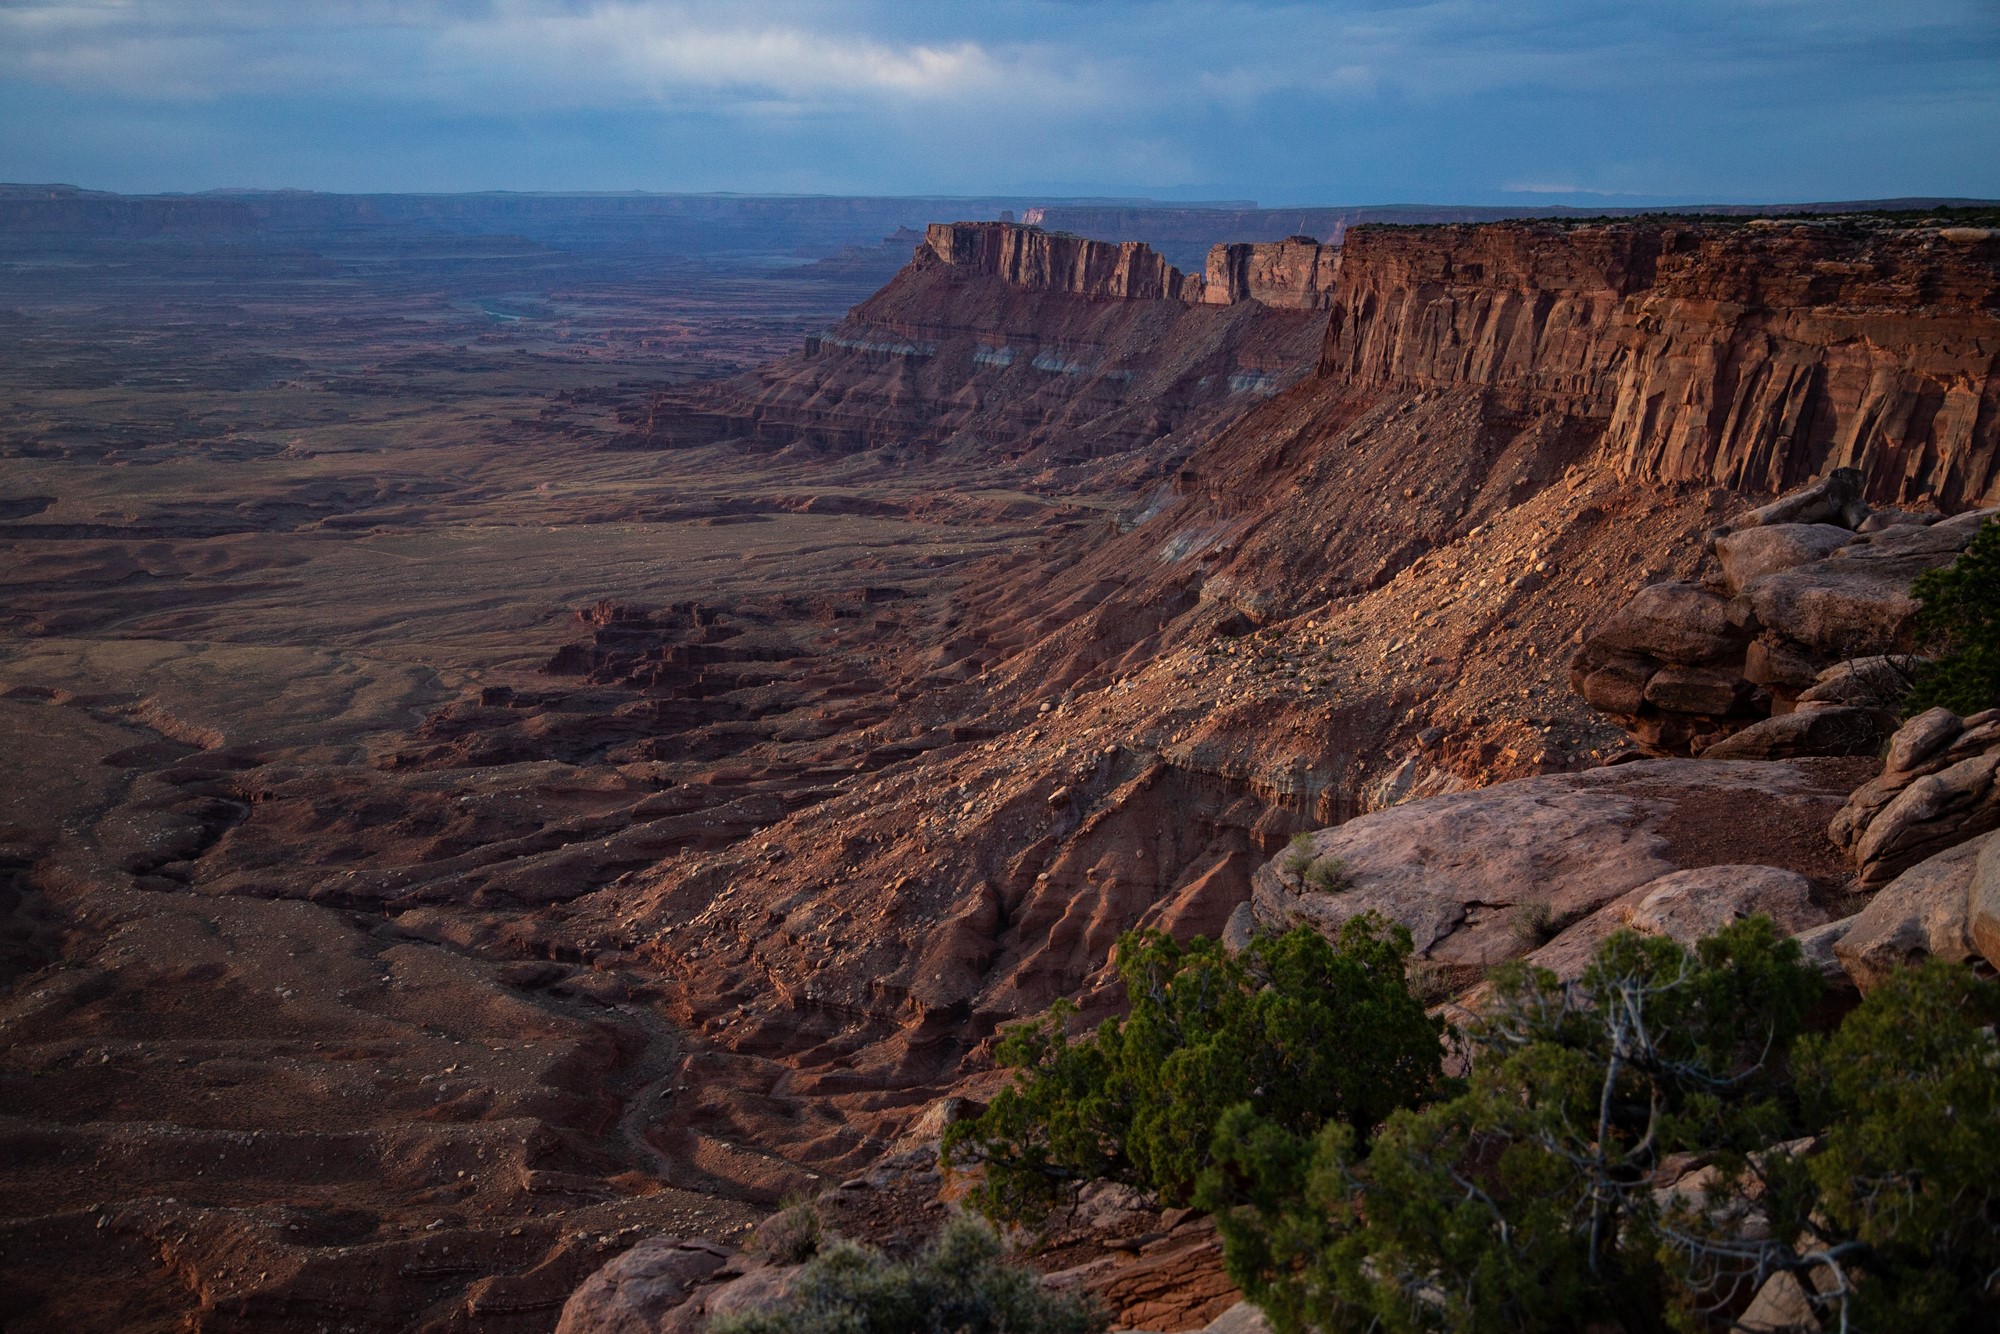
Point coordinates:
[(535, 747)]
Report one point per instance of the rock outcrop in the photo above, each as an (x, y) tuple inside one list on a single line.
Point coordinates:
[(1936, 790), (1483, 876), (638, 1292), (1040, 261), (1924, 913), (1798, 640)]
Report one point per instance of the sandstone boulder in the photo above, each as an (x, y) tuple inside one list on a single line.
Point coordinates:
[(1935, 812), (635, 1293), (1686, 906), (1922, 913), (1834, 498), (1707, 690), (1882, 519), (1982, 924), (1839, 608), (1673, 622), (1475, 875), (1767, 549), (1920, 738), (1835, 730), (1936, 789)]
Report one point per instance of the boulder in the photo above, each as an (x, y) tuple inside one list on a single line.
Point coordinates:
[(1768, 549), (1843, 609), (1685, 906), (1699, 690), (1617, 685), (1673, 622), (1832, 730), (1920, 738), (1688, 905), (1923, 747), (1935, 812), (1780, 1307), (1922, 913), (1463, 872), (1773, 661), (1834, 498), (1882, 519), (1816, 948), (635, 1293), (1242, 1318)]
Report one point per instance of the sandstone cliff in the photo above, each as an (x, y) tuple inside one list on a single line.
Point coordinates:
[(1042, 261), (1751, 356), (1297, 273)]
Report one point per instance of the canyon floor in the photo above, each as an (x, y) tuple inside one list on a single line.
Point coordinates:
[(276, 521)]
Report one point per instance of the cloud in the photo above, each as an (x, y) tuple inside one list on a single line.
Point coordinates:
[(513, 54)]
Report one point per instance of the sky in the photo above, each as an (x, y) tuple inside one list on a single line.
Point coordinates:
[(1340, 102)]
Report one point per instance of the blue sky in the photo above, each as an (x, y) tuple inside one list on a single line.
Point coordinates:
[(1344, 102)]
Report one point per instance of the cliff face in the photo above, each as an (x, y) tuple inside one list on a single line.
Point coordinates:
[(1297, 273), (1764, 357), (1754, 357), (1040, 261)]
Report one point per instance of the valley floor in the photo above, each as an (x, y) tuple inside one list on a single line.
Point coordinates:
[(263, 514)]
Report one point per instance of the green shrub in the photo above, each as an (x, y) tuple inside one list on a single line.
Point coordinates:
[(1960, 624), (1329, 876), (962, 1283), (1299, 854), (1526, 1202), (1908, 1177), (1301, 1030)]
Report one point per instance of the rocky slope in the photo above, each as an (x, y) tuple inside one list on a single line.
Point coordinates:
[(1366, 589)]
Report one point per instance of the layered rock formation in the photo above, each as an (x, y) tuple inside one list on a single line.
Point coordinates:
[(1363, 591), (1297, 273), (1039, 261), (1750, 356)]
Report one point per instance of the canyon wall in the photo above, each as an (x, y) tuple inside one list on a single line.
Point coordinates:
[(1297, 273), (1751, 356), (1031, 258)]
